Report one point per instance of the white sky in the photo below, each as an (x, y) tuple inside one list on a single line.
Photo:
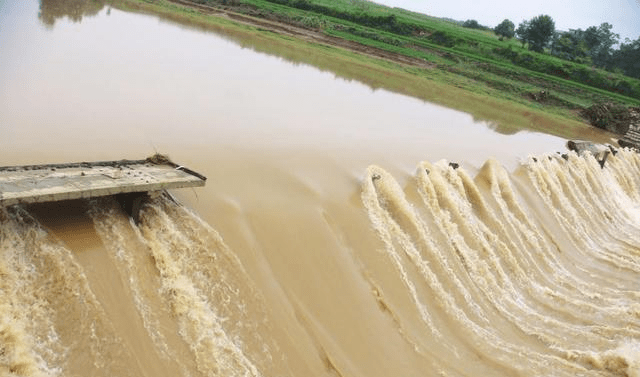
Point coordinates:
[(624, 15)]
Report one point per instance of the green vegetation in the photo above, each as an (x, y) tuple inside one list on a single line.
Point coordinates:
[(506, 29), (462, 68), (508, 113), (537, 32), (627, 58), (473, 24), (452, 47), (595, 46)]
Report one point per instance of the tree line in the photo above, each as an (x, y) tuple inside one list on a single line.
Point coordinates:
[(593, 46)]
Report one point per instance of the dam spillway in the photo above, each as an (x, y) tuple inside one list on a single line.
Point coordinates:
[(499, 272)]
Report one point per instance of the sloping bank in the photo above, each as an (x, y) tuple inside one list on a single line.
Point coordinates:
[(368, 65)]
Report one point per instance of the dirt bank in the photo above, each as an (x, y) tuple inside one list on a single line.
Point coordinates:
[(307, 34)]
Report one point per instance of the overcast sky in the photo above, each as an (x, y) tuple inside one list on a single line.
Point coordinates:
[(624, 15)]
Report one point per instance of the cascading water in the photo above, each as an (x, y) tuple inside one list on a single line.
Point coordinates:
[(533, 272), (536, 272)]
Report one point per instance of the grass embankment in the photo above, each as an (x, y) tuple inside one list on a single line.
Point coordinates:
[(427, 37), (496, 92)]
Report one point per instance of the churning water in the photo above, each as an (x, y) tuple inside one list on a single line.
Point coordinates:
[(298, 258), (531, 272)]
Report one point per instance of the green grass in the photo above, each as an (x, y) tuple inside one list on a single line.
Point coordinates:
[(508, 111), (346, 19)]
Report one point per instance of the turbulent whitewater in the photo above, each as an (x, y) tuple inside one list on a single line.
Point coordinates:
[(533, 272)]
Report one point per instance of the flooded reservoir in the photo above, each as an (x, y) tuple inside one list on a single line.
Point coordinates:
[(333, 237)]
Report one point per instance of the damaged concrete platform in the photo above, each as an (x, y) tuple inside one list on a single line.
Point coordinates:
[(55, 182)]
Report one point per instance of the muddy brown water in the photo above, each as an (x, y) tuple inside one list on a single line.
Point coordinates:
[(332, 238)]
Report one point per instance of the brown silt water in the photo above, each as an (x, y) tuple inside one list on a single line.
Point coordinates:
[(333, 237)]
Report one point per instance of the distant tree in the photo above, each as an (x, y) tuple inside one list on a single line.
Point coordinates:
[(471, 24), (570, 45), (600, 41), (627, 58), (523, 32), (541, 30), (506, 29)]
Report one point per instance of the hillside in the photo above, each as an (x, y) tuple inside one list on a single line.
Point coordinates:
[(474, 59)]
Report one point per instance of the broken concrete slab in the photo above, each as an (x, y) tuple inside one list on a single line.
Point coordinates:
[(54, 182)]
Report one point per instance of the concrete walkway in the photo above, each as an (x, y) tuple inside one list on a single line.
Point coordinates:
[(46, 183)]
